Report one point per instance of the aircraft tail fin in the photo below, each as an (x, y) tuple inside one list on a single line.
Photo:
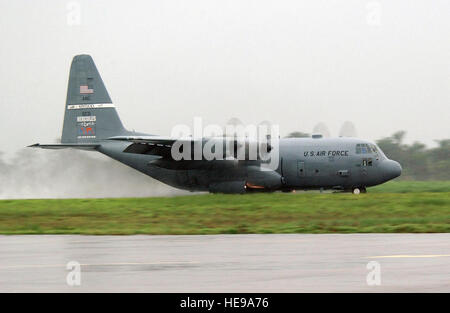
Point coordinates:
[(90, 115)]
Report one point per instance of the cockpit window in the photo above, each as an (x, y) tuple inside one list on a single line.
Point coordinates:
[(363, 148), (380, 152), (370, 148), (373, 149)]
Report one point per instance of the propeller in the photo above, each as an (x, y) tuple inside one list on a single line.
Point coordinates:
[(322, 129), (233, 122)]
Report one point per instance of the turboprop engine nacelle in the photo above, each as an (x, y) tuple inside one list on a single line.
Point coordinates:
[(257, 180), (263, 179)]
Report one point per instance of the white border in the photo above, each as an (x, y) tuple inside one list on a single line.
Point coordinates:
[(90, 106)]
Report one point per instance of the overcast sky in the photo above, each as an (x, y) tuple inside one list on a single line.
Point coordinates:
[(385, 65)]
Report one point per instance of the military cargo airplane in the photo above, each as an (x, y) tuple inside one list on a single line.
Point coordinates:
[(91, 122)]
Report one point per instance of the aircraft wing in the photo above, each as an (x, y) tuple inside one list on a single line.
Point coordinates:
[(153, 145), (158, 145)]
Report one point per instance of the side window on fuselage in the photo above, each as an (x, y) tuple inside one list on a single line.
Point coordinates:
[(367, 162)]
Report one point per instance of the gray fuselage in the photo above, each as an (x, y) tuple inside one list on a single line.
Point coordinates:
[(304, 163)]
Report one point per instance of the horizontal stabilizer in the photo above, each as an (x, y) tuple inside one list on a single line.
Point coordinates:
[(79, 146)]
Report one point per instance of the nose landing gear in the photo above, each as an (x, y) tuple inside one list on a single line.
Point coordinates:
[(358, 190)]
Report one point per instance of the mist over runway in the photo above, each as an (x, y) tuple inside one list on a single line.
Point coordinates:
[(226, 263), (32, 174)]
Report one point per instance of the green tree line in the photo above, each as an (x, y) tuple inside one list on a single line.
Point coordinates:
[(418, 161)]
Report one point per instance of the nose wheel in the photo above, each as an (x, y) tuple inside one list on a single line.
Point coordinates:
[(358, 190)]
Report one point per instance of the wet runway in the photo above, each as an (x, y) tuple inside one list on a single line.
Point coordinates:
[(227, 263)]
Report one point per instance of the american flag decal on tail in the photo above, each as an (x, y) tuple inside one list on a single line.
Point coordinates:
[(84, 89)]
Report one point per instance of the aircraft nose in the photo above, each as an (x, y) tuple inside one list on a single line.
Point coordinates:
[(391, 169)]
